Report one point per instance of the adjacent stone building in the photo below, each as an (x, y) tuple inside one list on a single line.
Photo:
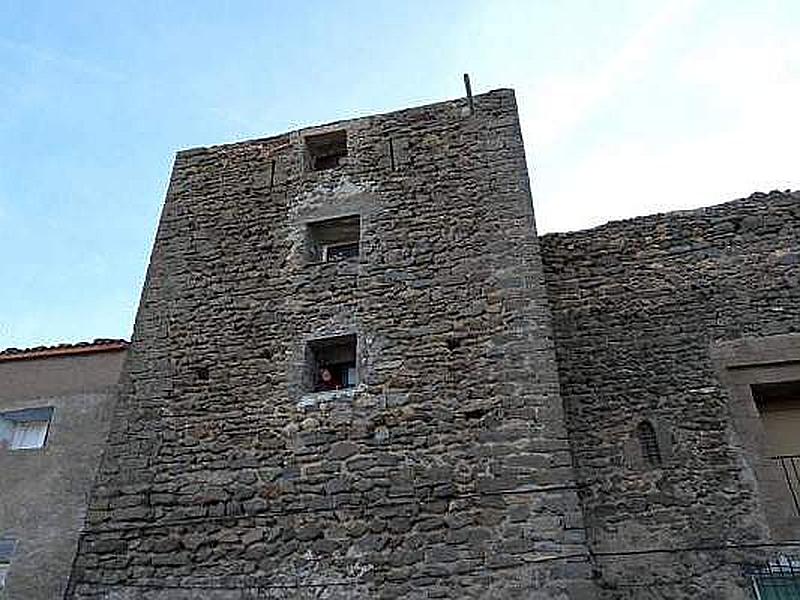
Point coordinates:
[(357, 372), (55, 409), (684, 329)]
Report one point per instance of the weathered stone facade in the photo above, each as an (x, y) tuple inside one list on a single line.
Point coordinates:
[(445, 473), (639, 308), (489, 448)]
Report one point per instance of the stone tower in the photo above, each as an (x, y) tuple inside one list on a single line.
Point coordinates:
[(342, 381)]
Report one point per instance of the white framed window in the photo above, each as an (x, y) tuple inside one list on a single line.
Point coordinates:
[(26, 435), (342, 251), (25, 429), (349, 376), (7, 547)]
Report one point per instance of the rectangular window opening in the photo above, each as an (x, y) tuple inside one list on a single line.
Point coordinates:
[(778, 579), (334, 239), (332, 363), (25, 429), (779, 408), (7, 547), (326, 150)]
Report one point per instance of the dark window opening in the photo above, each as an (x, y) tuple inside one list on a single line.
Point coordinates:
[(768, 393), (648, 441), (778, 406), (334, 239), (326, 150), (332, 363)]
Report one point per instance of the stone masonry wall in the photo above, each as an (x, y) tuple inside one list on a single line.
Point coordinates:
[(445, 474), (637, 305)]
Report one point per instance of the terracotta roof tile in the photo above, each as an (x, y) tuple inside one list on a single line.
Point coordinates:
[(98, 345)]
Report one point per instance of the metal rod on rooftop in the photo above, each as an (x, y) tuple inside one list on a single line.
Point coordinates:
[(469, 94)]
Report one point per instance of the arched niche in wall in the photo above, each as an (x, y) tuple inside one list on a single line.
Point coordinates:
[(648, 445)]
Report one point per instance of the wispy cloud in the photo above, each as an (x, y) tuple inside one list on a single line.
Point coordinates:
[(555, 107), (749, 82)]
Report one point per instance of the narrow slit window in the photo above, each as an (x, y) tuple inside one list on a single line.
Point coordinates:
[(648, 441), (326, 150), (334, 239), (332, 363)]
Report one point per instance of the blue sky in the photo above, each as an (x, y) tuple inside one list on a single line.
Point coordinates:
[(628, 108)]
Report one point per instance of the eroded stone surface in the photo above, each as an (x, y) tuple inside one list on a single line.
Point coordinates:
[(637, 306), (444, 474)]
